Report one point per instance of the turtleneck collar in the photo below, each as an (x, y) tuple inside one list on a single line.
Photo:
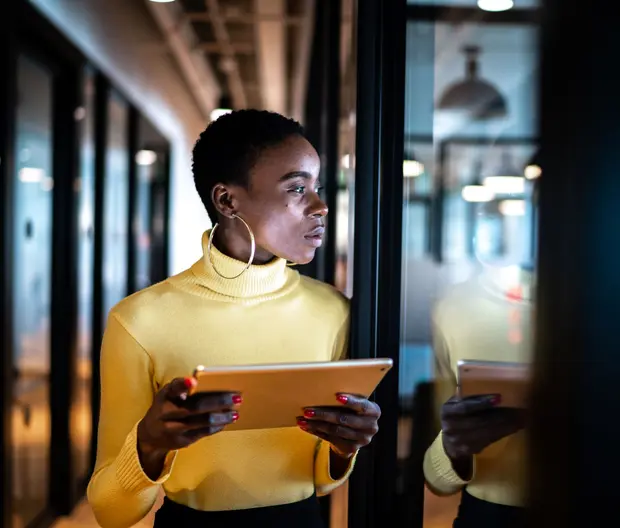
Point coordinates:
[(257, 282)]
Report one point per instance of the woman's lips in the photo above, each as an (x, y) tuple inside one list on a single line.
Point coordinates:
[(315, 237)]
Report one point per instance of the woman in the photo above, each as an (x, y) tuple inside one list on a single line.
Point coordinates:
[(240, 304), (480, 450)]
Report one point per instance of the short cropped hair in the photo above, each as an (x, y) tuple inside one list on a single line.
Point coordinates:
[(230, 146)]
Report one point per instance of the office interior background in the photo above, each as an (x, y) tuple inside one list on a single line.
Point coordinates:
[(431, 118)]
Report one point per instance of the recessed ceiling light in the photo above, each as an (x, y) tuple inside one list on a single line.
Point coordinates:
[(412, 169), (146, 157), (505, 184), (219, 112), (477, 193), (495, 5), (532, 172), (162, 1), (512, 207)]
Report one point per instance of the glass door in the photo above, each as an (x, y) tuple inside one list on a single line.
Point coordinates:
[(445, 178), (150, 207), (82, 425), (468, 237), (116, 204), (31, 295)]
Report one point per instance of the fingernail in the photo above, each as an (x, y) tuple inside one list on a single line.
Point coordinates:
[(235, 416), (496, 400), (189, 382), (237, 399), (309, 413), (343, 399), (302, 424)]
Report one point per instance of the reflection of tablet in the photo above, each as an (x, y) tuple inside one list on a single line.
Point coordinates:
[(274, 395), (509, 380)]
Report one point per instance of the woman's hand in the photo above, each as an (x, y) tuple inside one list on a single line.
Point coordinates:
[(347, 428), (176, 420), (470, 425)]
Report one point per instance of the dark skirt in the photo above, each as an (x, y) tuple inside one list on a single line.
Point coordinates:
[(476, 513), (304, 514)]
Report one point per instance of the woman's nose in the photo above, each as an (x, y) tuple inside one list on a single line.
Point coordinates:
[(318, 208)]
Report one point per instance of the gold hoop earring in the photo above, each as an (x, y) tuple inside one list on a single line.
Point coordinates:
[(252, 249), (291, 264)]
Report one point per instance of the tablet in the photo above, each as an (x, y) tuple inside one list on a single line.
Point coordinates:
[(509, 380), (275, 395)]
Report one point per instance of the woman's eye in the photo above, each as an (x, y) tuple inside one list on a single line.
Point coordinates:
[(302, 189)]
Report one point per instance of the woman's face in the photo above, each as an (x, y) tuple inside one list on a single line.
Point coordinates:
[(281, 204)]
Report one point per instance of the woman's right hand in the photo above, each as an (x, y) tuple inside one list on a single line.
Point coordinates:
[(470, 425), (176, 420)]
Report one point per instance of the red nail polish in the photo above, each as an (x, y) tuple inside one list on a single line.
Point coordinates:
[(309, 413), (237, 399), (189, 382), (302, 424), (343, 399), (235, 416)]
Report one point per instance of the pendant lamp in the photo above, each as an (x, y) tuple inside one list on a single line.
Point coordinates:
[(473, 94), (507, 179)]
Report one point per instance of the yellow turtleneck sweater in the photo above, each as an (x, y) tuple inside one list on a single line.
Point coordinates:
[(270, 314), (489, 319)]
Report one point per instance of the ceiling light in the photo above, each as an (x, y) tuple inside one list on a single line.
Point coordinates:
[(512, 207), (31, 175), (162, 1), (495, 5), (479, 98), (505, 184), (412, 168), (533, 168), (146, 157), (532, 172), (224, 107), (477, 193), (219, 112), (506, 178)]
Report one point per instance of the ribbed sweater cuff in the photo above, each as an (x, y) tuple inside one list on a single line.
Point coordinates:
[(324, 482), (129, 471), (438, 469)]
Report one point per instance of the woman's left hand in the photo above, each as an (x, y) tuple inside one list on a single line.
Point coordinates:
[(347, 428)]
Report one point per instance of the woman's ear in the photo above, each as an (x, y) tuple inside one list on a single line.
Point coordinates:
[(224, 200)]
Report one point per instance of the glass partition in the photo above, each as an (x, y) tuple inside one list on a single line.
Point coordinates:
[(31, 295), (116, 204), (150, 206), (469, 224), (85, 269)]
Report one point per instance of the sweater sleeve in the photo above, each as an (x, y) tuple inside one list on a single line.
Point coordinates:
[(440, 476), (119, 492), (323, 481)]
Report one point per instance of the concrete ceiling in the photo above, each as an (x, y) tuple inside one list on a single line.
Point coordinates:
[(254, 52)]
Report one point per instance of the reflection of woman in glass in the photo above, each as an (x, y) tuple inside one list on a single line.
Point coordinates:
[(240, 304), (480, 450)]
